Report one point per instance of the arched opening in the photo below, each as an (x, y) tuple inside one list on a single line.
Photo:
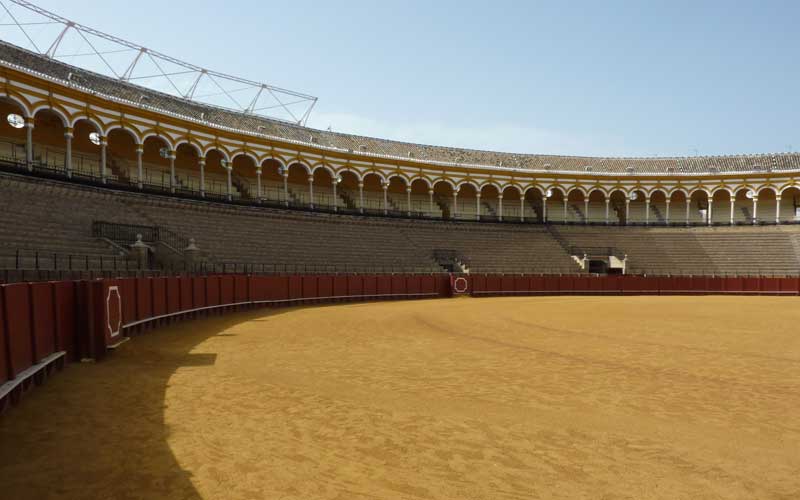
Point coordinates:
[(767, 206), (397, 198), (658, 208), (272, 181), (347, 190), (86, 149), (373, 193), (722, 210), (790, 205), (244, 176), (323, 190), (617, 212), (298, 186), (156, 162), (677, 208), (121, 155), (744, 205), (576, 207), (216, 175), (49, 142), (512, 206), (12, 137), (597, 207), (443, 197), (422, 200), (534, 206), (187, 168), (467, 202), (557, 206), (637, 209), (490, 203), (698, 208)]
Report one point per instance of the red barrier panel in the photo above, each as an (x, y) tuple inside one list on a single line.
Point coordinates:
[(478, 283), (186, 293), (227, 290), (716, 284), (241, 286), (384, 285), (506, 283), (752, 285), (594, 284), (369, 285), (612, 285), (771, 285), (310, 287), (127, 288), (683, 284), (257, 288), (566, 284), (427, 284), (43, 320), (398, 285), (325, 286), (64, 298), (199, 292), (733, 285), (494, 283), (173, 295), (789, 286), (537, 284), (340, 286), (17, 303), (295, 287), (144, 299), (521, 284), (279, 287), (580, 284), (413, 284), (212, 291), (5, 369), (699, 283), (666, 285), (551, 284), (355, 285), (159, 296)]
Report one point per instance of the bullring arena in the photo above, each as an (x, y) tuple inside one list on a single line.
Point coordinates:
[(200, 301)]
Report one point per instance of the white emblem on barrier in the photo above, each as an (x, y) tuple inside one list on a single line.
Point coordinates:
[(460, 285), (114, 311)]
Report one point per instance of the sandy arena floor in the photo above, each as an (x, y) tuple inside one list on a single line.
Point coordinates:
[(559, 397)]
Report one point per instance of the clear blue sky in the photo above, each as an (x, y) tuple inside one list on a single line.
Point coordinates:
[(598, 78)]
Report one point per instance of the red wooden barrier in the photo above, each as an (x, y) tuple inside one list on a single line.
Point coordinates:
[(127, 288), (397, 285), (537, 284), (340, 286), (595, 285), (310, 287), (144, 299), (733, 285), (295, 287), (427, 284), (325, 286), (370, 285), (355, 285), (159, 296), (770, 286), (383, 286), (227, 290), (65, 318), (173, 295), (752, 285), (43, 320), (212, 291), (551, 284), (5, 369), (16, 300), (185, 293), (789, 286), (413, 284), (241, 289), (199, 292), (522, 284), (279, 287), (612, 285), (494, 283)]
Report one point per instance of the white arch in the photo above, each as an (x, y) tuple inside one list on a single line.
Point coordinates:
[(86, 118), (58, 112), (197, 149), (237, 154), (26, 113), (166, 140), (128, 131)]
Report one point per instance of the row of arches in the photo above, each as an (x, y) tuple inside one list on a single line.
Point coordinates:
[(82, 147)]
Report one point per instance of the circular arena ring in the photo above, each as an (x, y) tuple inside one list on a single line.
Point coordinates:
[(514, 397)]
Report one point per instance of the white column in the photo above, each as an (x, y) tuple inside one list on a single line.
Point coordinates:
[(565, 208), (311, 192), (385, 198), (608, 203), (755, 209), (361, 197), (202, 162), (229, 194), (733, 209), (286, 188), (627, 211), (408, 201), (647, 211), (103, 158), (668, 201), (478, 206), (544, 209), (586, 210), (29, 143), (258, 183), (455, 205), (522, 208), (139, 168), (335, 195), (777, 210), (68, 156), (500, 206), (688, 209), (709, 212), (172, 171), (430, 201)]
